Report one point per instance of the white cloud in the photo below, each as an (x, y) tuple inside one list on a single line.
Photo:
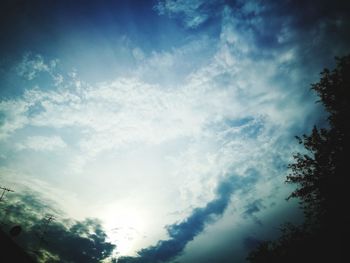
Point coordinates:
[(138, 54), (33, 65), (193, 13), (138, 136), (13, 116), (165, 68), (41, 143), (63, 202), (138, 143), (30, 67), (128, 114), (158, 140)]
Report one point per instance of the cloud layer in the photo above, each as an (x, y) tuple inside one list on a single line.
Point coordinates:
[(185, 231), (220, 88), (65, 240)]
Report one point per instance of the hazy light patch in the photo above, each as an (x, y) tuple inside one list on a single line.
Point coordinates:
[(127, 228)]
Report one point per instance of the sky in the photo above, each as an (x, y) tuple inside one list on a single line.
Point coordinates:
[(158, 131)]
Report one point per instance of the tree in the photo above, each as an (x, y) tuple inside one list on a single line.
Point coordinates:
[(320, 173)]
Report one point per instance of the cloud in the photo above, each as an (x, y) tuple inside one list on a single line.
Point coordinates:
[(252, 209), (173, 66), (233, 97), (185, 231), (41, 143), (192, 13), (12, 116), (138, 54), (67, 240), (32, 66), (266, 28), (83, 241), (226, 114)]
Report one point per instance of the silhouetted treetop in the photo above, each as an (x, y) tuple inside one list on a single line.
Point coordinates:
[(333, 90), (320, 172)]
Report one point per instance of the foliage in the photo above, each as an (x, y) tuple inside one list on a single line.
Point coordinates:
[(320, 176)]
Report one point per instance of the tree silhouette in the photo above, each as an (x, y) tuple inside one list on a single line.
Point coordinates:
[(320, 173)]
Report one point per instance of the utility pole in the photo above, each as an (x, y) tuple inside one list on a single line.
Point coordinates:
[(4, 191), (41, 236), (7, 211)]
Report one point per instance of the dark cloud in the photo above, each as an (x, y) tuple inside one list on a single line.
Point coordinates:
[(252, 209), (319, 31), (84, 241), (66, 240), (182, 233), (313, 28)]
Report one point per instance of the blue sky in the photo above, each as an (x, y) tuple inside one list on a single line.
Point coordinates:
[(170, 122)]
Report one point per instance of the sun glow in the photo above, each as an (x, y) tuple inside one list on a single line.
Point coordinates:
[(125, 229)]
